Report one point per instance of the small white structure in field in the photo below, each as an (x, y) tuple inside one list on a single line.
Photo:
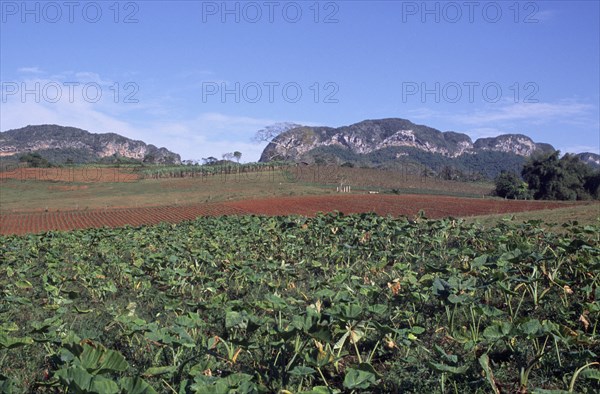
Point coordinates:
[(343, 188)]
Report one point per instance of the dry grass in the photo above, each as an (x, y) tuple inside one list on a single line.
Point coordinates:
[(35, 195), (43, 195), (408, 180), (585, 213)]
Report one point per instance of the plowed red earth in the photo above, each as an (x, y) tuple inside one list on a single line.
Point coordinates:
[(409, 205)]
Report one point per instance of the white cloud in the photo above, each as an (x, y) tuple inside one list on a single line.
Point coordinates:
[(208, 134), (505, 117), (565, 111), (30, 70), (19, 114), (580, 149), (88, 77), (536, 113)]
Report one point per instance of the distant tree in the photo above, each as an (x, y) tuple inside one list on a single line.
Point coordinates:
[(477, 176), (449, 173), (592, 185), (320, 160), (551, 178), (510, 185), (209, 160), (237, 155), (575, 175), (34, 160), (227, 156), (427, 173)]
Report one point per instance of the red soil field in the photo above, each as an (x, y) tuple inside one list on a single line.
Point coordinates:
[(395, 205), (385, 204)]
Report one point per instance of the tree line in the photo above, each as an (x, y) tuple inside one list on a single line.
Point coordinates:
[(551, 177)]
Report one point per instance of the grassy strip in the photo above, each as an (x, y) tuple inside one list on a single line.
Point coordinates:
[(554, 219)]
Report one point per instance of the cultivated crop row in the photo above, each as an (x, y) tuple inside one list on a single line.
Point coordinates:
[(329, 304)]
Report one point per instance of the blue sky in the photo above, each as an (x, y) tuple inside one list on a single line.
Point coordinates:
[(201, 77)]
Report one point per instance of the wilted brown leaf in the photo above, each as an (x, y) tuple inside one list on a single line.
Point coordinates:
[(584, 321), (394, 287)]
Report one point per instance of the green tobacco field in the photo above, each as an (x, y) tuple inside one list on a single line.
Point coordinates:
[(330, 304)]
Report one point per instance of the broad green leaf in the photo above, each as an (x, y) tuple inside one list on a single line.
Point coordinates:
[(7, 342), (75, 377), (368, 368), (235, 319), (101, 384), (448, 368), (219, 387), (590, 373), (99, 360), (301, 370), (359, 379), (320, 390), (457, 299), (351, 311), (9, 326), (531, 327), (79, 380), (512, 256), (236, 379), (234, 383), (450, 358), (497, 330), (135, 386), (417, 330), (490, 311), (82, 311), (441, 288), (479, 261), (160, 371), (378, 309), (71, 343), (6, 385), (24, 284)]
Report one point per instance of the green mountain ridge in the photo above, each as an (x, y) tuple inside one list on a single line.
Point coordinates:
[(591, 159), (393, 142), (60, 144)]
